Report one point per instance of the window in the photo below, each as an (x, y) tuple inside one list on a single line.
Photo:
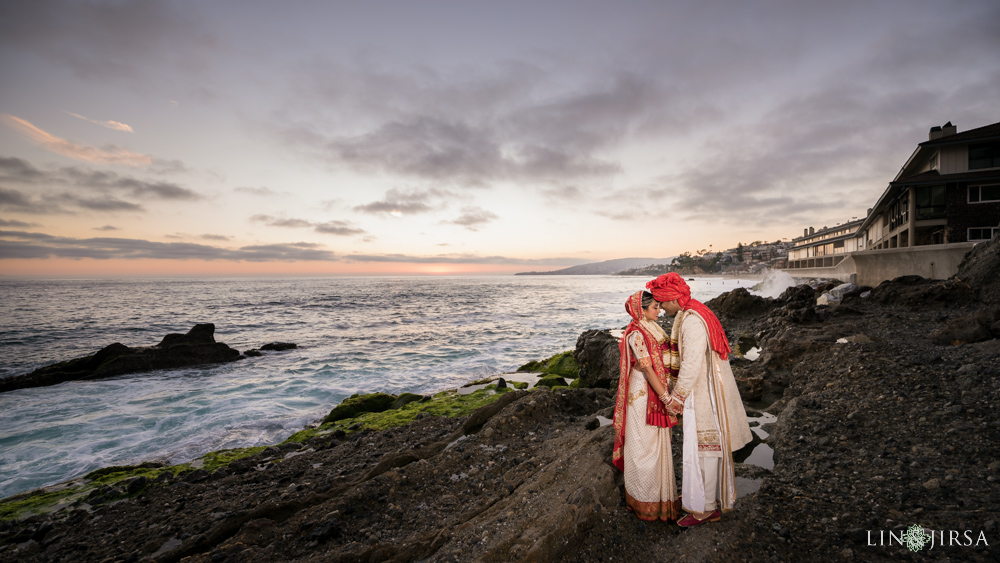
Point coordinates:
[(932, 164), (985, 155), (899, 212), (930, 202), (983, 233), (983, 194)]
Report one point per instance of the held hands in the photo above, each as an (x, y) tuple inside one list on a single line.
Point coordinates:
[(672, 404)]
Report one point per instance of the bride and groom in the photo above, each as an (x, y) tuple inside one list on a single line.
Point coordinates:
[(662, 378)]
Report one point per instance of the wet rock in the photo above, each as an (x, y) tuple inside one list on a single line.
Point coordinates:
[(598, 357), (751, 386), (357, 404), (740, 303), (197, 347), (135, 484), (253, 353), (551, 381), (407, 398), (960, 330), (279, 346), (915, 292), (196, 476), (501, 383), (797, 297), (981, 270)]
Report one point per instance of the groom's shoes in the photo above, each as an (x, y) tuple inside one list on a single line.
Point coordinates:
[(690, 521)]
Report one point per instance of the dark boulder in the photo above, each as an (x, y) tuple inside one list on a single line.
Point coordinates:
[(981, 270), (915, 292), (279, 346), (407, 398), (739, 304), (797, 297), (358, 404), (197, 347), (598, 356), (961, 330), (551, 381)]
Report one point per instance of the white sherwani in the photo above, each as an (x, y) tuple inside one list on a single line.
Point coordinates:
[(715, 423)]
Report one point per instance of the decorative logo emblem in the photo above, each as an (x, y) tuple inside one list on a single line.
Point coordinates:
[(915, 538)]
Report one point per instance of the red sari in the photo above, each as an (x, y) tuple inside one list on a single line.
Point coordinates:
[(647, 459)]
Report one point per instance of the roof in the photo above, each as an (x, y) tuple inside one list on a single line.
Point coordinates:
[(933, 177), (979, 133)]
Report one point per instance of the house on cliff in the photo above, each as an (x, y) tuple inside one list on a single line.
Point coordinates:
[(944, 200)]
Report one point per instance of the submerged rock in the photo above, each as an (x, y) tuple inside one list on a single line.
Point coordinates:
[(196, 347)]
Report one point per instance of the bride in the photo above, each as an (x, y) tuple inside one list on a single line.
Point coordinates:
[(642, 426)]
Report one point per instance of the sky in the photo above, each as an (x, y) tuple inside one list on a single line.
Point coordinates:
[(153, 138)]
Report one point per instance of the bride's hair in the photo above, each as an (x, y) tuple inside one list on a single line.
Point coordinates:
[(647, 299)]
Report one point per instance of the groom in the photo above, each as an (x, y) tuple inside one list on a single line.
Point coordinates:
[(715, 423)]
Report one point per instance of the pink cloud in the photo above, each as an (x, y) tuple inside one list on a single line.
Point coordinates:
[(111, 154)]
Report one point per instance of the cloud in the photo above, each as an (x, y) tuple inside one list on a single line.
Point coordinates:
[(106, 228), (214, 237), (17, 224), (333, 227), (462, 259), (502, 124), (139, 43), (258, 191), (473, 217), (14, 200), (110, 154), (28, 245), (342, 228), (107, 185), (397, 202), (113, 125)]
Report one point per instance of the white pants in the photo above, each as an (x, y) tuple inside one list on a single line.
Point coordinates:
[(710, 473)]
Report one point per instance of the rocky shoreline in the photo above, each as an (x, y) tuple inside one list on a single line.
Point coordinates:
[(885, 420), (195, 348)]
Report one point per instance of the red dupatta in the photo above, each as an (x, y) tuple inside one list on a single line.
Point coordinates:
[(656, 414)]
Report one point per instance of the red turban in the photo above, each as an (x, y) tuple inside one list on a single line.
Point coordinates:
[(670, 287)]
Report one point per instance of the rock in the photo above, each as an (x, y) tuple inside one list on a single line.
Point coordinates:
[(740, 303), (797, 297), (501, 383), (279, 346), (598, 357), (981, 270), (252, 353), (407, 398), (135, 484), (995, 329), (562, 364), (751, 387), (916, 292), (357, 404), (197, 347), (551, 381), (932, 485), (959, 330), (827, 299)]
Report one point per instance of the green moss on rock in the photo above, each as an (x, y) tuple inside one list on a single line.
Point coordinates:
[(357, 404), (405, 399), (563, 364), (519, 384), (551, 381)]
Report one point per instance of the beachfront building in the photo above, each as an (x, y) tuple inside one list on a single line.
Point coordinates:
[(947, 192), (944, 200), (826, 247)]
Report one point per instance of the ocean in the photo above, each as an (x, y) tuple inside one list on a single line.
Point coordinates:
[(355, 335)]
